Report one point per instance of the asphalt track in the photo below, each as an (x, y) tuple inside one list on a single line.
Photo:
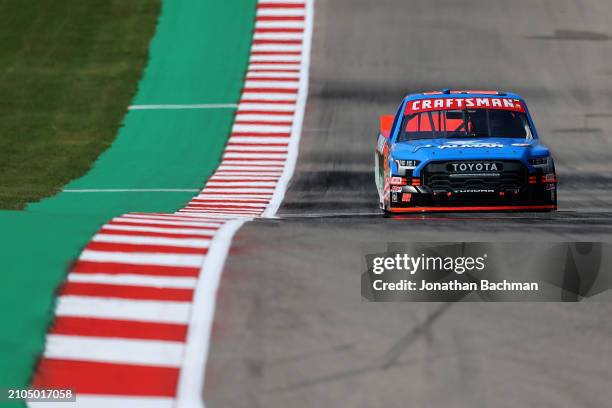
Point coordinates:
[(290, 327)]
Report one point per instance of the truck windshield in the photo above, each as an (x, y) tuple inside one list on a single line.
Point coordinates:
[(465, 123)]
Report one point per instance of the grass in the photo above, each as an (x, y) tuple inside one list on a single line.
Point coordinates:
[(68, 70)]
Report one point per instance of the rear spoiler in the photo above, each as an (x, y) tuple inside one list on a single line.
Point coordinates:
[(386, 122)]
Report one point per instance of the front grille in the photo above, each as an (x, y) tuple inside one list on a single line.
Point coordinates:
[(440, 176)]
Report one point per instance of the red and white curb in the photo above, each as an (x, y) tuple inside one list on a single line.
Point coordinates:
[(133, 319)]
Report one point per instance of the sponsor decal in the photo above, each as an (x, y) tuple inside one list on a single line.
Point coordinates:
[(549, 178), (468, 175), (398, 181), (427, 105), (474, 166), (396, 189), (425, 146), (473, 190), (470, 144)]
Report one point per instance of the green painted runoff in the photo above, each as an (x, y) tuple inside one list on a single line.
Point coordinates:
[(198, 55)]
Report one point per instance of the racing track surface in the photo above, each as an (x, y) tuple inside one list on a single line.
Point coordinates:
[(290, 327)]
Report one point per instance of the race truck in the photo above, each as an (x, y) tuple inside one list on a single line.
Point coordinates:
[(463, 151)]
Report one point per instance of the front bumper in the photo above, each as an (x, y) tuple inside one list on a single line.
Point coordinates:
[(404, 210), (411, 199)]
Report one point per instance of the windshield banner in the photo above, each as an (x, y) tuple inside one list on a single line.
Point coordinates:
[(427, 105)]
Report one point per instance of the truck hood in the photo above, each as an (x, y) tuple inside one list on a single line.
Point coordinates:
[(467, 149)]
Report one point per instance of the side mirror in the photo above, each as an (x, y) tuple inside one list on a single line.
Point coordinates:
[(386, 122)]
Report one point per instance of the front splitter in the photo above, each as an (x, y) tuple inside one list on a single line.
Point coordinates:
[(474, 208)]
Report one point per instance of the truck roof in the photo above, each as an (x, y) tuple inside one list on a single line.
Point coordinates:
[(445, 93)]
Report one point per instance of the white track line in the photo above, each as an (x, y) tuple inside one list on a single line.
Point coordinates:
[(177, 231), (148, 240), (254, 155), (243, 177), (271, 84), (174, 282), (223, 198), (287, 97), (278, 24), (275, 58), (165, 217), (105, 401), (132, 190), (302, 2), (256, 140), (114, 350), (191, 378), (121, 309), (288, 117), (184, 106), (277, 47), (262, 106), (278, 36), (191, 212), (262, 128), (291, 67), (154, 222), (143, 258), (242, 183), (252, 75), (281, 12)]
